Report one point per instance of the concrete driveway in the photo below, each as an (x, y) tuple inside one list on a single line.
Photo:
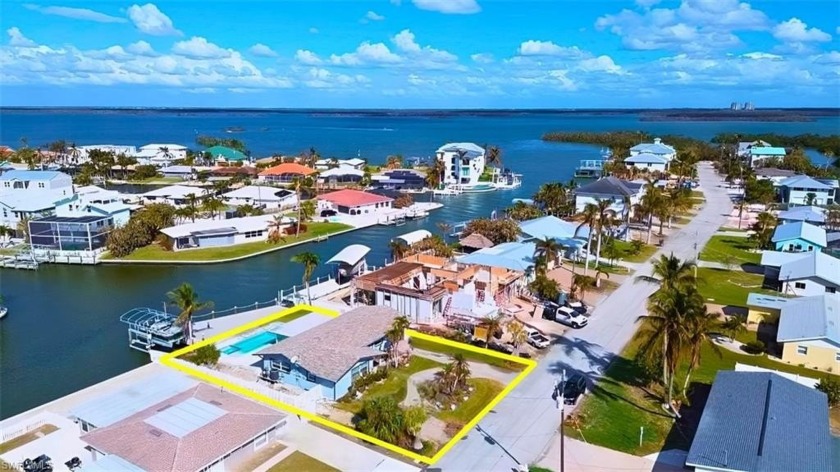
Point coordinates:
[(523, 425)]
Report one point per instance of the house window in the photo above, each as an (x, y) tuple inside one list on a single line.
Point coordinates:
[(386, 296), (282, 367), (40, 184), (830, 290), (260, 441), (799, 285), (803, 350), (7, 184), (837, 356), (310, 377)]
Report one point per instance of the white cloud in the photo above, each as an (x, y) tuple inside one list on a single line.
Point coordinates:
[(482, 58), (140, 48), (17, 39), (261, 50), (795, 30), (373, 16), (832, 57), (761, 55), (198, 47), (696, 25), (463, 7), (307, 57), (366, 53), (600, 64), (148, 19), (313, 30), (75, 13), (404, 40), (546, 48), (321, 78)]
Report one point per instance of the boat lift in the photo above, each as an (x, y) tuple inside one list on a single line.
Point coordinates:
[(149, 328)]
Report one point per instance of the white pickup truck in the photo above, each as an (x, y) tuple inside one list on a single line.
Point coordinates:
[(537, 339), (570, 317)]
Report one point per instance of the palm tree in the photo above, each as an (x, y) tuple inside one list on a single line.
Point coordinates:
[(732, 326), (493, 156), (548, 248), (598, 274), (492, 324), (307, 210), (604, 221), (434, 174), (444, 228), (701, 325), (186, 299), (764, 227), (518, 335), (650, 204), (310, 261), (671, 273), (192, 204), (382, 418), (23, 228), (582, 284), (394, 161), (460, 371), (396, 334), (399, 249), (275, 229), (589, 216), (213, 206), (6, 231), (301, 184)]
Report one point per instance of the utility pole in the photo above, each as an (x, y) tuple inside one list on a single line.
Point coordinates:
[(561, 403)]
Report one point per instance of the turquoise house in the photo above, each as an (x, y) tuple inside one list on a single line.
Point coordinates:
[(223, 153), (330, 356), (799, 237)]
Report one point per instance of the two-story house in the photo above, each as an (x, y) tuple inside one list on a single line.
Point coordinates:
[(463, 163), (799, 236), (805, 190), (25, 194), (622, 195)]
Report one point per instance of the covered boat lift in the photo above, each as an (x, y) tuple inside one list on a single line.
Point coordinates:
[(149, 328), (413, 237), (350, 261)]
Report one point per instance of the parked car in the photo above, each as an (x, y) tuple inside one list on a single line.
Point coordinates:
[(573, 388), (506, 348), (549, 310), (578, 306), (538, 340), (569, 317), (326, 213)]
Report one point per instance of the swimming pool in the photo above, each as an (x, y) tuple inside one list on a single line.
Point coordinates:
[(253, 343)]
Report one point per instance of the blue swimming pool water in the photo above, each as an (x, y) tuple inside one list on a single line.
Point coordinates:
[(253, 343)]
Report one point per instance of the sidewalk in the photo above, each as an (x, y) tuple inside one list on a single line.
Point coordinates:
[(584, 457)]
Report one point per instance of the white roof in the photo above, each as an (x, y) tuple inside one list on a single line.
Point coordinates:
[(454, 147), (414, 236), (239, 225), (809, 318), (342, 170), (350, 255), (646, 157), (178, 170), (176, 191), (804, 181), (812, 264), (156, 147), (260, 192), (23, 201), (185, 417), (777, 258)]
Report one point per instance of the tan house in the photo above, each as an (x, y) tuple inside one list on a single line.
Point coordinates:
[(765, 308), (809, 332)]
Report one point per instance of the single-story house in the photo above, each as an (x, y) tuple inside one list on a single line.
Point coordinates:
[(810, 214), (762, 308), (799, 237), (261, 196), (758, 154), (813, 273), (657, 147), (809, 330), (215, 233), (230, 171), (285, 173), (354, 202), (354, 163), (70, 233), (225, 154), (175, 195), (615, 190), (340, 176), (647, 161), (568, 234), (160, 154), (330, 356), (398, 179), (804, 190), (517, 256), (198, 428), (761, 421)]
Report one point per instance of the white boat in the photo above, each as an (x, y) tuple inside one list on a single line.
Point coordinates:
[(3, 311), (446, 191)]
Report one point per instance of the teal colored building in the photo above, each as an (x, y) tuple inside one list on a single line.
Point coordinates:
[(799, 237), (222, 153)]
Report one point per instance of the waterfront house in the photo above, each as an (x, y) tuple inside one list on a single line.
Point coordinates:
[(405, 287), (804, 190), (761, 421), (758, 155), (354, 163), (657, 148), (810, 214), (399, 179), (270, 198), (225, 155), (763, 308), (516, 256), (773, 174), (799, 237), (26, 194), (175, 195), (95, 201), (340, 176), (285, 173), (200, 428), (463, 163), (227, 172), (81, 154), (646, 161), (619, 192), (570, 235), (805, 274), (354, 202), (328, 357), (809, 332), (745, 146), (160, 154), (215, 233), (70, 233)]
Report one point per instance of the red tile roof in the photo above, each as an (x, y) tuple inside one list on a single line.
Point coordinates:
[(149, 448), (353, 198), (288, 168)]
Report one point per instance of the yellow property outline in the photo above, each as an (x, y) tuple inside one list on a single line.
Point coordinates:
[(168, 360)]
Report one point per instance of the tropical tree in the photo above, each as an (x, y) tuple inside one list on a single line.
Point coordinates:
[(301, 185), (603, 222), (186, 299), (192, 204), (310, 261), (499, 231), (588, 217), (546, 288), (399, 249), (275, 229), (548, 248), (582, 284), (732, 326), (763, 228), (555, 199), (460, 372), (23, 228), (394, 161), (700, 326), (444, 228), (518, 335), (493, 156), (492, 324), (382, 418), (213, 206), (671, 273), (307, 210), (6, 232), (598, 274), (651, 204), (434, 174), (521, 211)]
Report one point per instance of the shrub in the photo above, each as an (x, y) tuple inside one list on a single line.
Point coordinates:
[(404, 200), (164, 242), (144, 172), (831, 387), (754, 347), (636, 247), (291, 230), (364, 381), (205, 355)]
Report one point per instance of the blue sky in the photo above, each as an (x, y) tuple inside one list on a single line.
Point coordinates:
[(421, 53)]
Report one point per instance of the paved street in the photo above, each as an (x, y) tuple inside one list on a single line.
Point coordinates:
[(524, 423)]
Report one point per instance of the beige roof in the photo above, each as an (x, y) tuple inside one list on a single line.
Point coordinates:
[(476, 241), (331, 349), (148, 447)]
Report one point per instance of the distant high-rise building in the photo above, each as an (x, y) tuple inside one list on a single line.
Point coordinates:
[(733, 106)]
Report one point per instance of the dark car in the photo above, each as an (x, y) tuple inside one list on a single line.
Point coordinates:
[(326, 213), (573, 388), (550, 310), (505, 348), (578, 306)]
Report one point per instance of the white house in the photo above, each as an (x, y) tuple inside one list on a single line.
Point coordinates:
[(657, 147), (261, 196), (175, 195), (647, 161), (354, 163), (215, 233), (354, 202), (814, 273), (84, 151), (463, 162), (160, 154), (95, 201), (615, 190), (340, 176), (805, 190), (32, 193)]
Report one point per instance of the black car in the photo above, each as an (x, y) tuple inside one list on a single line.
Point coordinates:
[(326, 213), (573, 388), (550, 310)]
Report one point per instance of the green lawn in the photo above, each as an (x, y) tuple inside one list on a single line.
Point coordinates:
[(612, 414), (730, 249), (469, 355), (625, 252), (154, 252), (395, 385), (299, 462), (729, 287), (485, 391)]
